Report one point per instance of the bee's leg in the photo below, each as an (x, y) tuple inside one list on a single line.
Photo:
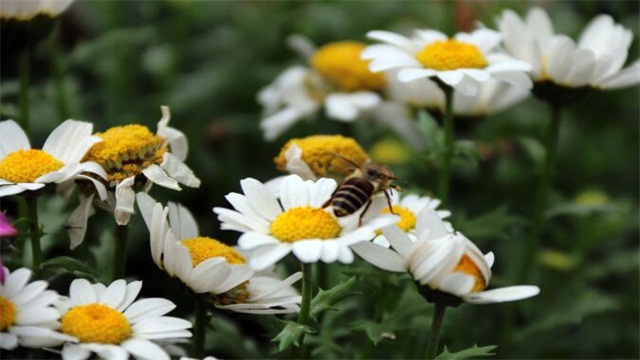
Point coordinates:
[(386, 194), (366, 207)]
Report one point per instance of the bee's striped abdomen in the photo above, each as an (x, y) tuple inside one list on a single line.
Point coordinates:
[(353, 194)]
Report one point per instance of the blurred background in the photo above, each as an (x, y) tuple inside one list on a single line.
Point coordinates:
[(114, 63)]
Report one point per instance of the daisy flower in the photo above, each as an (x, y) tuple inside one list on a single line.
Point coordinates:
[(408, 207), (23, 10), (27, 314), (336, 79), (107, 321), (132, 155), (60, 160), (443, 261), (296, 223), (596, 60), (210, 267), (462, 62)]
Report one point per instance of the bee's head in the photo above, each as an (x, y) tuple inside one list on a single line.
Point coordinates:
[(378, 174)]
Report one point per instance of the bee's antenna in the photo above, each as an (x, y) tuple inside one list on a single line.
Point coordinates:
[(351, 162)]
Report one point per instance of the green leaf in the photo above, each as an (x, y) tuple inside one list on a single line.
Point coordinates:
[(326, 298), (489, 225), (375, 331), (470, 353), (467, 149), (71, 265), (533, 148), (290, 334)]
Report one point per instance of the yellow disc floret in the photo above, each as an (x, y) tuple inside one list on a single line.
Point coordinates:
[(96, 323), (340, 63), (7, 313), (451, 55), (127, 150), (407, 217), (304, 222), (25, 166), (326, 155), (203, 248), (467, 266)]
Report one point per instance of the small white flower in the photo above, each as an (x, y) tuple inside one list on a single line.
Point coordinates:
[(297, 223), (27, 9), (336, 80), (595, 60), (128, 154), (462, 62), (109, 322), (408, 207), (28, 316), (443, 261), (60, 160), (208, 266)]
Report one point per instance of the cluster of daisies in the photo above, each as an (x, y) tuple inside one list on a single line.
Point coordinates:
[(489, 71)]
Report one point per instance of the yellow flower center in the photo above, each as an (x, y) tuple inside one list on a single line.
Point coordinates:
[(25, 166), (203, 248), (451, 55), (467, 266), (127, 150), (591, 198), (96, 323), (304, 222), (7, 313), (407, 217), (325, 154), (340, 63), (390, 152)]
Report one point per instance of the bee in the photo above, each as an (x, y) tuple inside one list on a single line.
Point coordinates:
[(358, 189)]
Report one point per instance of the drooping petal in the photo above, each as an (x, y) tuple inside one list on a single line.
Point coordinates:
[(511, 293), (379, 256)]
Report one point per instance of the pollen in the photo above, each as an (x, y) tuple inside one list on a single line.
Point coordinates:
[(237, 295), (326, 155), (126, 150), (304, 222), (25, 166), (203, 248), (467, 266), (96, 323), (7, 313), (451, 55), (407, 217), (340, 63)]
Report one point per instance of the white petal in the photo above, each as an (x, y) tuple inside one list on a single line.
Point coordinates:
[(260, 198), (114, 294), (233, 220), (394, 39), (511, 293), (145, 349), (77, 222), (158, 176), (379, 256), (241, 203), (32, 315), (329, 252), (457, 283), (160, 325), (125, 198), (70, 141), (148, 308), (411, 74), (293, 192), (265, 256), (81, 292), (308, 251), (252, 240), (177, 170), (75, 352), (321, 191), (131, 293), (627, 77), (183, 224), (429, 225), (29, 292), (560, 58), (12, 138), (8, 190), (282, 285), (398, 239)]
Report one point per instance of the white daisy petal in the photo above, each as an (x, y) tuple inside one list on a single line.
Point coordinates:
[(379, 256), (148, 308), (511, 293), (75, 352), (260, 197), (265, 256), (307, 251), (82, 292), (158, 176), (145, 349), (12, 138)]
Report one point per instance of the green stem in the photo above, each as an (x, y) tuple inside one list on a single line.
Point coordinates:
[(434, 335), (34, 230), (305, 306), (120, 252), (200, 328), (445, 171), (57, 63), (23, 70), (544, 184)]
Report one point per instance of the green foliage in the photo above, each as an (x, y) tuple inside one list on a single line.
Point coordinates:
[(290, 334), (470, 353), (325, 299)]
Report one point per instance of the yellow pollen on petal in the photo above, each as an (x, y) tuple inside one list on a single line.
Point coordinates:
[(451, 55), (7, 313), (127, 150), (340, 63), (407, 217), (96, 323), (203, 248), (237, 295), (25, 166), (304, 222), (325, 154), (467, 266)]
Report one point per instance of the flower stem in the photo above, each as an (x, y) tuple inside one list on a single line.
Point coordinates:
[(434, 335), (120, 252), (200, 329), (23, 70), (34, 230), (305, 306), (544, 184), (445, 171), (57, 63)]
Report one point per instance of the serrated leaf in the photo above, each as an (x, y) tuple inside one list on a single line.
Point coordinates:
[(326, 298), (375, 331), (470, 353), (290, 334), (71, 265)]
